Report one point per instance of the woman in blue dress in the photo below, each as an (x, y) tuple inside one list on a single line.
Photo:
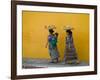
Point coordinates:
[(52, 45), (70, 55)]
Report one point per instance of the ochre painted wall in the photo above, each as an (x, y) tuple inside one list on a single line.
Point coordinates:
[(35, 35)]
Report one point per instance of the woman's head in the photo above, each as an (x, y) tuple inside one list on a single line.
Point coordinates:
[(69, 32), (51, 31), (56, 34)]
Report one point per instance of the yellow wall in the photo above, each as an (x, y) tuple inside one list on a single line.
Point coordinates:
[(35, 35)]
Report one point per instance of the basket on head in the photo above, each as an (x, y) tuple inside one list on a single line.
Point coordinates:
[(68, 27), (50, 27)]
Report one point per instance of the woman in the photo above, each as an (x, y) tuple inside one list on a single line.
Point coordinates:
[(52, 45), (70, 55)]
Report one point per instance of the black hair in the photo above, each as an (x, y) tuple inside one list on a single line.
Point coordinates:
[(56, 34), (69, 31), (51, 31)]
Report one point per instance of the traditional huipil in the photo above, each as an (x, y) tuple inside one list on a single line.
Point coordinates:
[(70, 55), (53, 51)]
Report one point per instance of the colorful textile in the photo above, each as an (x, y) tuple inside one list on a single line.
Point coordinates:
[(70, 51), (53, 46)]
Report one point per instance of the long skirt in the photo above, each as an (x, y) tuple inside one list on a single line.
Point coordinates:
[(70, 54), (53, 53)]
